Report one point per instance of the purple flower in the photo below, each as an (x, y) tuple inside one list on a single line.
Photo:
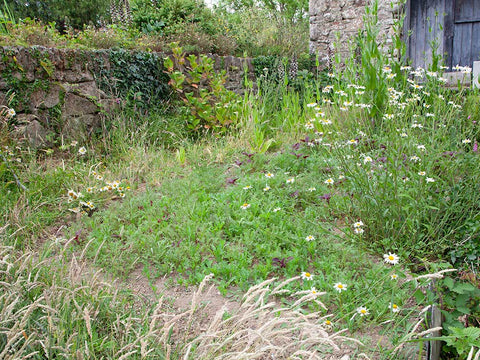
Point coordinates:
[(475, 147), (326, 197)]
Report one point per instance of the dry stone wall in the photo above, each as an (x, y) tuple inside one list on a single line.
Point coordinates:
[(60, 91), (336, 22)]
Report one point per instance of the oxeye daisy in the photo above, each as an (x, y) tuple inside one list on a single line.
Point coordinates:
[(310, 189), (82, 150), (89, 189), (358, 224), (329, 181), (393, 277), (247, 187), (422, 173), (290, 180), (314, 291), (310, 238), (245, 206), (362, 311), (327, 323), (358, 231), (277, 209), (466, 141), (429, 180), (391, 258), (367, 159), (11, 112), (266, 188), (311, 105), (340, 287), (306, 276), (394, 307), (269, 175)]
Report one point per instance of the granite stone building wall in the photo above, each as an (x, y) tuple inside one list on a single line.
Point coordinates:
[(335, 22)]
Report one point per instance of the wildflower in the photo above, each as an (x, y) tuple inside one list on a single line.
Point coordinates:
[(417, 125), (89, 189), (307, 276), (340, 177), (266, 188), (403, 135), (82, 150), (314, 291), (269, 175), (327, 89), (311, 189), (311, 105), (247, 187), (290, 180), (340, 287), (421, 147), (367, 159), (310, 238), (362, 311), (331, 75), (422, 173), (393, 277), (327, 121), (391, 76), (122, 195), (74, 143), (99, 177), (415, 158), (387, 69), (394, 307), (430, 180), (329, 181), (245, 206), (358, 224), (309, 125), (466, 141), (358, 231), (320, 114), (277, 209), (11, 113), (327, 324), (391, 258), (388, 116)]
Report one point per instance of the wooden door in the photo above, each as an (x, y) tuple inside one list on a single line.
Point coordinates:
[(424, 22), (465, 48)]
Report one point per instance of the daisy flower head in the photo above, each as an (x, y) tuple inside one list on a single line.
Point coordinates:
[(311, 105), (358, 230), (247, 187), (11, 113), (277, 209), (352, 142), (310, 238), (391, 258), (430, 180), (394, 307), (269, 175), (393, 277), (466, 141), (358, 224), (314, 291), (340, 287), (245, 206), (266, 188), (306, 276), (290, 180), (311, 189), (362, 311), (422, 173), (329, 181), (367, 159), (82, 150), (309, 126)]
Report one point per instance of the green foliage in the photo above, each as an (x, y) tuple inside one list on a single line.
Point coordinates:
[(209, 104), (135, 76), (63, 13)]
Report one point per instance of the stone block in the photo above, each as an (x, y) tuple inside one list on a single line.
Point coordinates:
[(41, 99), (35, 134), (76, 105)]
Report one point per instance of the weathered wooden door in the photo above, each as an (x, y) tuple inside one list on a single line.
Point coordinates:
[(424, 22), (450, 27), (465, 46)]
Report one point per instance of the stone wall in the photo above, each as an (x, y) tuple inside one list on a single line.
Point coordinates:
[(337, 21), (59, 90)]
